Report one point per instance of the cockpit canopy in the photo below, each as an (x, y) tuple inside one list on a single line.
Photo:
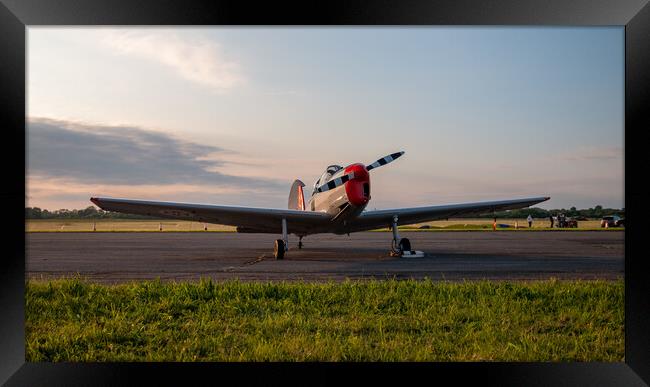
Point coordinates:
[(329, 171)]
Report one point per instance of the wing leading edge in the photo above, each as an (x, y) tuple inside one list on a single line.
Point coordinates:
[(376, 219), (249, 219)]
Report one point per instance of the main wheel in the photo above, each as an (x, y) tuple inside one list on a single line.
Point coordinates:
[(278, 249), (404, 245)]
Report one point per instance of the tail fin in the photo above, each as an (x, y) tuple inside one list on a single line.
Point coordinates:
[(296, 196)]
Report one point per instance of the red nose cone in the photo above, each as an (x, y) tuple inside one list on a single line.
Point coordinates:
[(358, 189)]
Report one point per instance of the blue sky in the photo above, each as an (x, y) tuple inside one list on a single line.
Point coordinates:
[(482, 113)]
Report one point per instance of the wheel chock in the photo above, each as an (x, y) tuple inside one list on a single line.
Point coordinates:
[(412, 254)]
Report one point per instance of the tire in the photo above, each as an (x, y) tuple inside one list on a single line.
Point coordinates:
[(404, 245), (278, 249)]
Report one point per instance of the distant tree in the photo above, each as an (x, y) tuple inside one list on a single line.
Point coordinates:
[(33, 213), (87, 212), (90, 212)]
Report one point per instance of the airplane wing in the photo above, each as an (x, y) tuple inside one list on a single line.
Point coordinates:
[(247, 219), (370, 220)]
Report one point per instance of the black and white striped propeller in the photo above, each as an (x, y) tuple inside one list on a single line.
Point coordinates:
[(343, 179), (384, 160)]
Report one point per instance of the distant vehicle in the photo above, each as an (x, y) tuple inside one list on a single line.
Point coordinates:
[(612, 221), (567, 222), (571, 223)]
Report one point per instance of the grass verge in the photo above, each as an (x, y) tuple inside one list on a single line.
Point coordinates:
[(71, 320)]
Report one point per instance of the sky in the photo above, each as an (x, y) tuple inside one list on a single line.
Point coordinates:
[(232, 116)]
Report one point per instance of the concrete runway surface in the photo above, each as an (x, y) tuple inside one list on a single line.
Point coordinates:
[(503, 255)]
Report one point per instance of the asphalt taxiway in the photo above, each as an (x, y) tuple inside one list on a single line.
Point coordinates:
[(501, 255)]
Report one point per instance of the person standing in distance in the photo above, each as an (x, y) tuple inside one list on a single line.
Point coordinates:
[(530, 221)]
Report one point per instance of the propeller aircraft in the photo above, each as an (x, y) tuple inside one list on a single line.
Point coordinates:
[(337, 205)]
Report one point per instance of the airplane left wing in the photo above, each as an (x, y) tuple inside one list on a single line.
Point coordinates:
[(247, 219), (377, 219)]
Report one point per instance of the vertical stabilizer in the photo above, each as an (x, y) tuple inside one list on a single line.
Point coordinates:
[(296, 196)]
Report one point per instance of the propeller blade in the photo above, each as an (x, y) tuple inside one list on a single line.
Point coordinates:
[(335, 182), (384, 160)]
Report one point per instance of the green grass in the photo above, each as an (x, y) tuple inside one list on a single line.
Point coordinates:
[(70, 320)]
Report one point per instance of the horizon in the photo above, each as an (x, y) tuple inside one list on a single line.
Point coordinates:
[(231, 116), (522, 209)]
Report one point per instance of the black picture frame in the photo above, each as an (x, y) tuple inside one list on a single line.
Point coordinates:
[(16, 15)]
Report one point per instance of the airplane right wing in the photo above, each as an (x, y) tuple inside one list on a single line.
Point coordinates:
[(370, 220)]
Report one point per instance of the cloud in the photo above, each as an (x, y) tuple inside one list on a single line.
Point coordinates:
[(198, 60), (593, 153), (55, 193), (124, 155)]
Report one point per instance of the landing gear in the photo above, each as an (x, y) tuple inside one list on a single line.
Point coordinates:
[(281, 245), (300, 242), (397, 244), (279, 249), (401, 247)]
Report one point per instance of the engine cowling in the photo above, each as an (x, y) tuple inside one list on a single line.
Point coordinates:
[(358, 189)]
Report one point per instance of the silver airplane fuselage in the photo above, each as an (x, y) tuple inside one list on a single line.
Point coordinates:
[(347, 200)]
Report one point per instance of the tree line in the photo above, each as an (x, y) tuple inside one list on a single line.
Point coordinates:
[(536, 212), (92, 212)]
